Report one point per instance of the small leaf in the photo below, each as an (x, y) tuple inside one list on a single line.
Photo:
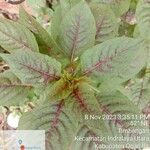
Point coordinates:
[(33, 68), (12, 91), (77, 30), (119, 58), (106, 22), (13, 36)]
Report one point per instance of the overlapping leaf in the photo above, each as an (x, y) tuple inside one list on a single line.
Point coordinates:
[(12, 91), (42, 35), (77, 30), (119, 58), (33, 68), (14, 36)]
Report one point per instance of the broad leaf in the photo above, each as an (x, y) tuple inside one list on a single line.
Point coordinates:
[(119, 58), (77, 30), (33, 68), (143, 17), (106, 22), (12, 91), (60, 124), (14, 36)]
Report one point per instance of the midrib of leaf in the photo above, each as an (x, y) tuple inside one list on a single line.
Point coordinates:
[(47, 77), (55, 120), (78, 97), (57, 114), (106, 60), (16, 40), (98, 64), (75, 38)]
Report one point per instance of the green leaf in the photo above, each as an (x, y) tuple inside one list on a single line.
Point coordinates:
[(143, 18), (121, 113), (54, 29), (68, 4), (41, 34), (12, 91), (61, 126), (118, 6), (83, 103), (14, 36), (93, 138), (36, 5), (58, 16), (58, 122), (33, 68), (77, 30), (138, 90), (106, 22), (84, 98), (119, 58)]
